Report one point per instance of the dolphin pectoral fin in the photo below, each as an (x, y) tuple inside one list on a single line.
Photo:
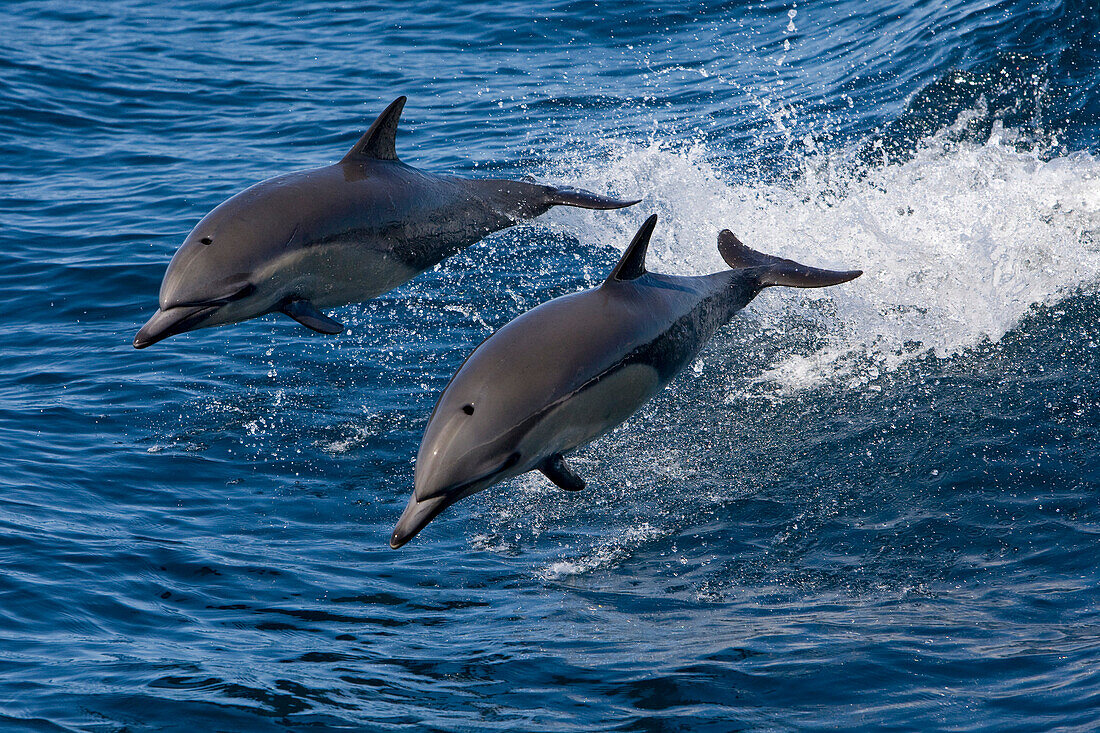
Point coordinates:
[(307, 314), (772, 270), (586, 199), (557, 470)]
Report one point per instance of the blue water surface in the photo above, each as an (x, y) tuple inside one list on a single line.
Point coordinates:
[(871, 507)]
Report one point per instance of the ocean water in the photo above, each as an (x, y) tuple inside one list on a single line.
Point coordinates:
[(873, 506)]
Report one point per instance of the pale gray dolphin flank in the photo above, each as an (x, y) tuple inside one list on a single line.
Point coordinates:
[(335, 235), (575, 367)]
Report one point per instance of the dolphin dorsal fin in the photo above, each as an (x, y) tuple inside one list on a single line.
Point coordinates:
[(378, 143), (632, 264)]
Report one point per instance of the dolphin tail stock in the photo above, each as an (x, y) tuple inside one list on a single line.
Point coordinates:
[(772, 270), (524, 200), (566, 196)]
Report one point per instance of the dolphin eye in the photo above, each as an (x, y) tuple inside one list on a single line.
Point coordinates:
[(206, 240), (468, 409)]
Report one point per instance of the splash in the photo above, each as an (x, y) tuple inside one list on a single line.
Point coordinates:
[(957, 243), (608, 552)]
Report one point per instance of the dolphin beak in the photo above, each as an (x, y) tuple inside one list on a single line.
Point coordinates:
[(418, 513), (165, 323), (415, 517)]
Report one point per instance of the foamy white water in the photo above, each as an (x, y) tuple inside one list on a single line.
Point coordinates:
[(956, 245)]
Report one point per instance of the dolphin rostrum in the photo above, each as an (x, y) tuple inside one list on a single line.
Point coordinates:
[(335, 235), (573, 368)]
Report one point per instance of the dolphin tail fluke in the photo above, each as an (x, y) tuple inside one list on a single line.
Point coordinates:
[(774, 270), (565, 196)]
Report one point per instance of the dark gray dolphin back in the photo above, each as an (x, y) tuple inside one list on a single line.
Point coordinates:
[(523, 199)]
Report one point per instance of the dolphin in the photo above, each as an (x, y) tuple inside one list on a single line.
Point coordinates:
[(341, 234), (570, 370)]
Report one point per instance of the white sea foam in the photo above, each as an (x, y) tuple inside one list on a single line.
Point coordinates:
[(957, 244), (608, 552)]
